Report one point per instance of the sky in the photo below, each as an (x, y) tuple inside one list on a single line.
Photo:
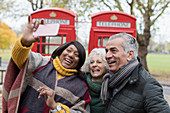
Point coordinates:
[(162, 34), (164, 24), (22, 5)]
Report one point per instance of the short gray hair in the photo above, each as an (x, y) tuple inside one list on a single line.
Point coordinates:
[(96, 51), (129, 43)]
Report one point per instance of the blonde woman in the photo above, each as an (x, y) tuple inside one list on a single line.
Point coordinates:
[(95, 68)]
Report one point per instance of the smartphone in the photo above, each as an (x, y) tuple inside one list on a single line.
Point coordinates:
[(47, 30)]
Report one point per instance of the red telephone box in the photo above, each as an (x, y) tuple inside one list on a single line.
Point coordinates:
[(66, 33), (107, 23)]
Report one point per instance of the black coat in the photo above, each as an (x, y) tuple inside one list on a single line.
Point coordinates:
[(141, 94)]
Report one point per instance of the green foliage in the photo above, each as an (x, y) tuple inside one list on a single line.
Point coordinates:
[(160, 47), (7, 36), (5, 6), (168, 46), (151, 45)]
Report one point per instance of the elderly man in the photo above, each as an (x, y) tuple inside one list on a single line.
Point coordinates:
[(129, 88)]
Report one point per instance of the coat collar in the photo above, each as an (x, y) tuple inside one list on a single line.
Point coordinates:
[(135, 74)]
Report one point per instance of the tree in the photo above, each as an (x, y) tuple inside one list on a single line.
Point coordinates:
[(7, 36), (152, 46), (36, 4), (150, 11), (5, 7), (83, 8), (168, 47), (39, 4)]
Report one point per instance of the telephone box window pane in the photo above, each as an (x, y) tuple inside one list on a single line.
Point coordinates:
[(47, 39), (43, 48), (38, 48), (64, 39), (105, 40), (53, 40), (56, 40), (38, 40), (50, 48), (99, 41), (43, 39)]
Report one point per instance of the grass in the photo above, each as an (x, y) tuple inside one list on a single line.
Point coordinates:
[(159, 66), (5, 54)]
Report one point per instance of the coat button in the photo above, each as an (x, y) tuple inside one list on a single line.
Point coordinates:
[(131, 81)]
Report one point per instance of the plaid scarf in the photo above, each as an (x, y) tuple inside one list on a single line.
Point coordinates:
[(115, 81)]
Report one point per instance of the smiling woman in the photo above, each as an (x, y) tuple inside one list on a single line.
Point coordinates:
[(56, 78), (95, 68)]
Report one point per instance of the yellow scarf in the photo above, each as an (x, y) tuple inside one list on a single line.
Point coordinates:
[(61, 71)]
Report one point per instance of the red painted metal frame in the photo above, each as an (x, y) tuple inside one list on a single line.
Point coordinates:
[(105, 16)]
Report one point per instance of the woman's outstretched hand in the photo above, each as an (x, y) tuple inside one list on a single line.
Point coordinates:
[(49, 96)]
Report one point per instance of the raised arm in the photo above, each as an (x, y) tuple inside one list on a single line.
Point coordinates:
[(22, 47)]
